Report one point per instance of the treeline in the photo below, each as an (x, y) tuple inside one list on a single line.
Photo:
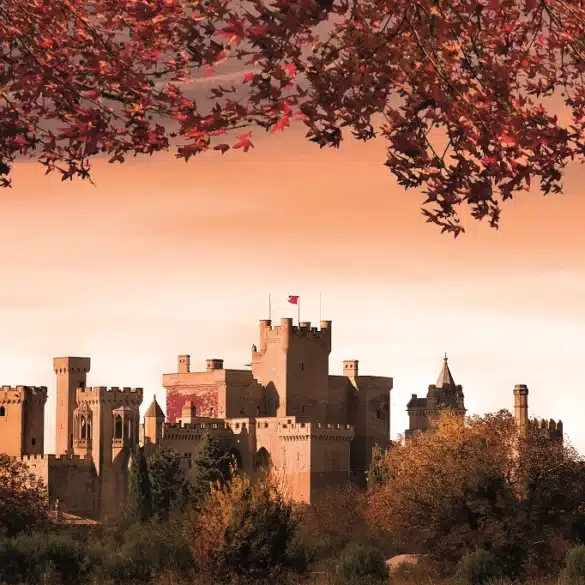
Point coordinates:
[(474, 499)]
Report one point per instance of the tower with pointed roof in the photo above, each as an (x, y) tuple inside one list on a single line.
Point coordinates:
[(444, 394), (154, 419)]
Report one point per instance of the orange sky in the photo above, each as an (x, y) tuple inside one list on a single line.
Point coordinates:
[(163, 258)]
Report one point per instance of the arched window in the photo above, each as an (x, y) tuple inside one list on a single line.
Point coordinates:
[(118, 427), (83, 428), (2, 411)]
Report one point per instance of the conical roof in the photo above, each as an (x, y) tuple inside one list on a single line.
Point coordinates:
[(154, 410), (445, 377)]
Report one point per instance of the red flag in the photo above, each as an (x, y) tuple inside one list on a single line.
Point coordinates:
[(293, 300)]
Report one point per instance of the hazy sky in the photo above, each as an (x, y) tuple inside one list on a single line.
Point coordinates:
[(163, 258)]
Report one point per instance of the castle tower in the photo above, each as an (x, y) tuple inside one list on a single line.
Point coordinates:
[(153, 422), (292, 363), (521, 408), (71, 374), (445, 393), (22, 420)]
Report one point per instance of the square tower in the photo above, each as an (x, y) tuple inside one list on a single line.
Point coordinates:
[(71, 374), (292, 363)]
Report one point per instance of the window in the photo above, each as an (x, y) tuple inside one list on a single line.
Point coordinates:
[(302, 365), (33, 441), (2, 411), (119, 429)]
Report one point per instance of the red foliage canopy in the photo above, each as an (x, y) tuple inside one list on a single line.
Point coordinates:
[(454, 86)]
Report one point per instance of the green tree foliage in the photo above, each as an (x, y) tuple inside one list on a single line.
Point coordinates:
[(28, 558), (23, 498), (139, 489), (574, 572), (474, 483), (213, 464), (242, 532), (360, 563), (477, 568), (170, 491)]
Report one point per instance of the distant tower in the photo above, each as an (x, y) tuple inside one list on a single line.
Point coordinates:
[(521, 407), (71, 374), (445, 393), (153, 422)]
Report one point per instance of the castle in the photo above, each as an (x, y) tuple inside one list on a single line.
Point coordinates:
[(286, 412), (445, 393)]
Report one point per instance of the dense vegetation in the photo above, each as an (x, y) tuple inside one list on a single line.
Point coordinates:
[(476, 501)]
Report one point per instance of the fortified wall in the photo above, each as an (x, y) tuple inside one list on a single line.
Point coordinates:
[(70, 479)]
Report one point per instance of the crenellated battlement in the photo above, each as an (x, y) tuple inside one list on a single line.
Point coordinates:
[(316, 431), (110, 394), (195, 431), (547, 425), (18, 394), (60, 460), (286, 331)]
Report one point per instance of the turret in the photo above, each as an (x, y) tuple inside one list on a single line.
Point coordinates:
[(521, 407), (350, 368), (153, 422), (184, 366)]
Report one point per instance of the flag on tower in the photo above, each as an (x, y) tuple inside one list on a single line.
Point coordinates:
[(296, 300)]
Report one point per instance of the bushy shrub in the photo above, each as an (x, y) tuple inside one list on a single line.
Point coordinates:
[(574, 572), (25, 559), (359, 563), (146, 550), (477, 568)]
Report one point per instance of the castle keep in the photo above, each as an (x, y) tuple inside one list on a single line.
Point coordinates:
[(286, 413)]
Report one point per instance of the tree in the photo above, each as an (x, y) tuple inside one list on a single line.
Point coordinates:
[(139, 492), (169, 488), (23, 498), (212, 464), (475, 484), (242, 532), (454, 87)]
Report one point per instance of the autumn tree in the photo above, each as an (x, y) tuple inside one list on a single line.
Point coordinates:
[(170, 491), (23, 498), (474, 484), (458, 89), (243, 531)]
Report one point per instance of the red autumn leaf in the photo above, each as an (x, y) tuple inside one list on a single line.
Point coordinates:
[(244, 142)]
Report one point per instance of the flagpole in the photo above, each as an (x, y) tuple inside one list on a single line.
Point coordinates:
[(269, 307), (299, 311)]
